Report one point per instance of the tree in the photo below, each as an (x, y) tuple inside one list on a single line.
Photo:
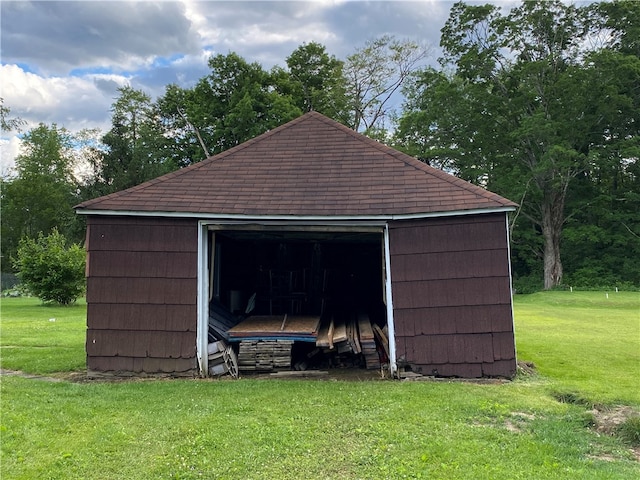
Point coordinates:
[(601, 238), (236, 102), (50, 270), (42, 194), (377, 72), (185, 129), (517, 115), (318, 82), (134, 146)]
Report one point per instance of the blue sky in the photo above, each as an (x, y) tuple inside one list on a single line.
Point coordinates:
[(62, 62)]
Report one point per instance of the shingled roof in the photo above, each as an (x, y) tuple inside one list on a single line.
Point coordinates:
[(311, 166)]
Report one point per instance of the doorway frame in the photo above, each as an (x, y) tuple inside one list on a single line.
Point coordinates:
[(204, 261)]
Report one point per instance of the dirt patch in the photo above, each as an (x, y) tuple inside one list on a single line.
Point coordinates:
[(607, 421), (526, 368), (18, 373)]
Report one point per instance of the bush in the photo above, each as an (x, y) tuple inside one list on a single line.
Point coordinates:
[(50, 270), (526, 285)]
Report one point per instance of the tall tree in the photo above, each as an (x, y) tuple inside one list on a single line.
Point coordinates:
[(236, 102), (44, 190), (134, 146), (601, 239), (517, 115), (184, 129), (375, 74), (319, 82)]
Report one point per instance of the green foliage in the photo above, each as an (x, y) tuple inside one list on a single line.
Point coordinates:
[(374, 73), (318, 82), (134, 147), (6, 122), (50, 270), (529, 105), (526, 285), (43, 191)]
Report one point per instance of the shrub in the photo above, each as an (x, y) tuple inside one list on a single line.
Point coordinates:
[(526, 285), (50, 270)]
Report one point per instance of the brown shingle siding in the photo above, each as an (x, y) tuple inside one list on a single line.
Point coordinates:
[(123, 343), (141, 294), (451, 295)]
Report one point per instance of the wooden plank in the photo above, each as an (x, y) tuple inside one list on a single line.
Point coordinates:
[(299, 373), (340, 331), (325, 334), (276, 326), (364, 326), (264, 355), (332, 328), (353, 336), (382, 338)]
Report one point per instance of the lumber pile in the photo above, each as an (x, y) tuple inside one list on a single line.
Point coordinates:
[(264, 355), (352, 335), (368, 343), (265, 343)]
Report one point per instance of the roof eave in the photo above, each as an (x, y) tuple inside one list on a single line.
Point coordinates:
[(298, 218)]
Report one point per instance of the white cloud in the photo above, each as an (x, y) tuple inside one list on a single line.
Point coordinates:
[(9, 150), (71, 102)]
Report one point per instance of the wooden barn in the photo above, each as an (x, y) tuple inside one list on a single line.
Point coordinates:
[(306, 227)]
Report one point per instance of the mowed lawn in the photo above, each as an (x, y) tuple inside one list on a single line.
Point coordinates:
[(585, 346), (588, 342)]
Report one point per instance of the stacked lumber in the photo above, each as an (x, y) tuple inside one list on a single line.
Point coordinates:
[(264, 355), (368, 343), (347, 339), (352, 335)]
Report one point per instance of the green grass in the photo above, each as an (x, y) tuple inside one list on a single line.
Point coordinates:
[(298, 429), (587, 342), (279, 429), (42, 339)]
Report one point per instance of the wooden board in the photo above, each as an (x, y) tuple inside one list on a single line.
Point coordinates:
[(325, 335), (280, 326), (340, 331)]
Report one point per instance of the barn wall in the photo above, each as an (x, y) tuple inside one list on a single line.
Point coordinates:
[(141, 294), (452, 296)]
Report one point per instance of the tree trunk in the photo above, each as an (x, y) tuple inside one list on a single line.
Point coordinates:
[(552, 222)]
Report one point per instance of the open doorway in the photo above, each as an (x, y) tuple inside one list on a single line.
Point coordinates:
[(329, 284)]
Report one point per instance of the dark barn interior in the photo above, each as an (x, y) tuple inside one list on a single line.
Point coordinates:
[(329, 276)]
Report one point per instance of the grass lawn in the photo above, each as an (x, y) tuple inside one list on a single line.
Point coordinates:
[(587, 342), (292, 429), (42, 339)]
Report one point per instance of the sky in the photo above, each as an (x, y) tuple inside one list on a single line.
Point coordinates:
[(63, 61)]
